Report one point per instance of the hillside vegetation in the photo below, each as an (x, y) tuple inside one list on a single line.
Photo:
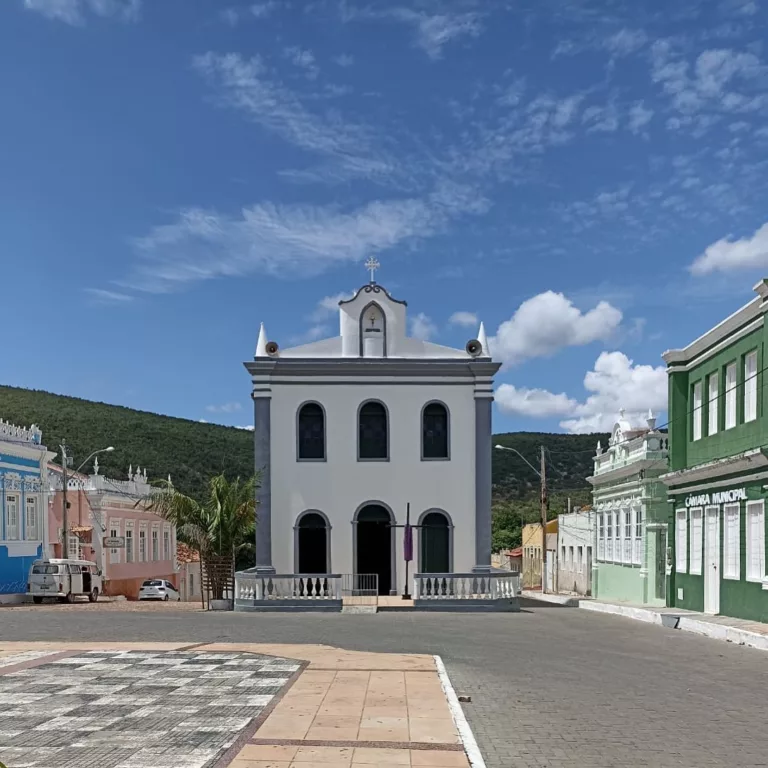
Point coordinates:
[(191, 452)]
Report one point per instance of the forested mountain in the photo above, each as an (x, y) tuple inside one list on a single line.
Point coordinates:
[(191, 451)]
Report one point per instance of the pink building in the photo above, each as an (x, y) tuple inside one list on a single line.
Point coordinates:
[(100, 507)]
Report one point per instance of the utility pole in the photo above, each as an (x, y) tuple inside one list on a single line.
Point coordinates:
[(543, 475), (65, 504)]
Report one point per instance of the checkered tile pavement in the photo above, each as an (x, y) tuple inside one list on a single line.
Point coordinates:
[(102, 709)]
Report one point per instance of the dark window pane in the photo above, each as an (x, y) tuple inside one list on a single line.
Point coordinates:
[(311, 432), (373, 443), (435, 432)]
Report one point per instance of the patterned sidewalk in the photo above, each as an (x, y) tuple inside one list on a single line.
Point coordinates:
[(165, 705)]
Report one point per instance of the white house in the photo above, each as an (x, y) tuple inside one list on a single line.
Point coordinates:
[(351, 430)]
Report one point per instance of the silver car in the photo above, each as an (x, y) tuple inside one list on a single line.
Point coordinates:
[(158, 589)]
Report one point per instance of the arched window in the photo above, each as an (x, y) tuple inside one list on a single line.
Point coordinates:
[(434, 431), (373, 431), (311, 432)]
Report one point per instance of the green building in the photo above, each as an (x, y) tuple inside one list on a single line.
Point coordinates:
[(630, 504), (719, 467)]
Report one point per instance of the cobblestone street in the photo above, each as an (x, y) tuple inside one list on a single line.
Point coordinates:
[(550, 686)]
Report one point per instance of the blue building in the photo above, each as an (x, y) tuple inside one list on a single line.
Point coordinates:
[(23, 506)]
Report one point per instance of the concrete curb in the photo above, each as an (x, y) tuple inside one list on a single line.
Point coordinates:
[(628, 611), (459, 718), (570, 601), (685, 622)]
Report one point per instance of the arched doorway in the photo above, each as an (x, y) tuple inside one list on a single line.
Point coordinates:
[(312, 540), (374, 544), (435, 543)]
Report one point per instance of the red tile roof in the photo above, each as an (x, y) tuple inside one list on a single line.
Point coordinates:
[(185, 554)]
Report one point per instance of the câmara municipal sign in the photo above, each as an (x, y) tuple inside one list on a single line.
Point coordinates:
[(721, 497)]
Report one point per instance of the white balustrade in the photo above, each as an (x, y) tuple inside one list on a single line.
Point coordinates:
[(250, 586), (466, 586)]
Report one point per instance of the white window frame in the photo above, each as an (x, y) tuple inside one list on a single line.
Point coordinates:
[(167, 553), (580, 559), (713, 390), (609, 536), (12, 531), (32, 503), (637, 527), (114, 530), (697, 411), (696, 540), (571, 559), (732, 541), (750, 386), (756, 548), (730, 396), (681, 541), (142, 543), (75, 547), (617, 539), (601, 536), (628, 535), (154, 540), (130, 552)]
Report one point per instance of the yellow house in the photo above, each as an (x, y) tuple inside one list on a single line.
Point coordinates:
[(531, 576)]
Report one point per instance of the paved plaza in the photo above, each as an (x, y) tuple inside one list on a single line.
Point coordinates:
[(550, 686)]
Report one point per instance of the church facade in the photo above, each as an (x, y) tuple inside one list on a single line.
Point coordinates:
[(353, 431)]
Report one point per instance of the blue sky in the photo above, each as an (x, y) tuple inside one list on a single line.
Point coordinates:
[(588, 178)]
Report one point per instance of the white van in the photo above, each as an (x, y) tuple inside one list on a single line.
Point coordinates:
[(64, 579)]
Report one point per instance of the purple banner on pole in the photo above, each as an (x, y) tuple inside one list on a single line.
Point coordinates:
[(408, 543)]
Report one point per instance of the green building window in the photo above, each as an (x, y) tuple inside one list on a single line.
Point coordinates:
[(714, 380), (730, 396), (750, 386), (696, 431)]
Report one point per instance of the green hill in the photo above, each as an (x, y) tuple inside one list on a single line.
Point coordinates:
[(191, 452)]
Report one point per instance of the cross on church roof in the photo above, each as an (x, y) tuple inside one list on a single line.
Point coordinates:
[(372, 264)]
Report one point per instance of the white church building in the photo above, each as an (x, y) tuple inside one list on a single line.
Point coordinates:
[(351, 430)]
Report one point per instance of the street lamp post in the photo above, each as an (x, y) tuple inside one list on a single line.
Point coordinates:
[(65, 507), (543, 499)]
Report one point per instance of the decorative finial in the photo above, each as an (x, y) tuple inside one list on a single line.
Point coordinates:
[(96, 466), (651, 420), (372, 264), (261, 344), (599, 448), (621, 413), (169, 479), (145, 474), (483, 339), (130, 471)]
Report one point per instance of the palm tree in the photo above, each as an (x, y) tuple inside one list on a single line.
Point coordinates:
[(219, 527)]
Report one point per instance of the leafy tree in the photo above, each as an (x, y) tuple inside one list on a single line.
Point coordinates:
[(219, 527)]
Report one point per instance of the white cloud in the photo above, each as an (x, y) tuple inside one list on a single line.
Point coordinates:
[(536, 403), (103, 296), (548, 322), (247, 427), (328, 306), (344, 60), (75, 11), (262, 10), (287, 240), (432, 30), (625, 41), (711, 80), (224, 408), (245, 84), (617, 383), (728, 254), (601, 119), (422, 327), (464, 319), (639, 117), (304, 59), (614, 383)]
